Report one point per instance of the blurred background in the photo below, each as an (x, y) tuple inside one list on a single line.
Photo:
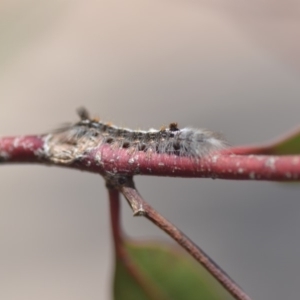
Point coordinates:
[(230, 66)]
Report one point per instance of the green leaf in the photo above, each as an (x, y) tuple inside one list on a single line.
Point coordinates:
[(168, 271), (288, 146)]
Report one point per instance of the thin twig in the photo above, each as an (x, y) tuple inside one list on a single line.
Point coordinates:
[(146, 284), (270, 148), (114, 205), (141, 208)]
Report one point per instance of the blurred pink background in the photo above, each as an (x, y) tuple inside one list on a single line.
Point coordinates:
[(225, 65)]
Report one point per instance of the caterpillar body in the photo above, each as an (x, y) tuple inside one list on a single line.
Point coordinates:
[(185, 142)]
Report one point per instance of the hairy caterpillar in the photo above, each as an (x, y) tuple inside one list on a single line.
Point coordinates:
[(89, 133)]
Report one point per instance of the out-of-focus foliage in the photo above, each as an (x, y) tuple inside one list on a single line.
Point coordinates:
[(290, 145), (170, 271)]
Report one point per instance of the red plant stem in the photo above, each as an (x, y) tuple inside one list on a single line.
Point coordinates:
[(141, 207), (122, 255), (104, 159), (269, 147), (21, 149), (114, 204)]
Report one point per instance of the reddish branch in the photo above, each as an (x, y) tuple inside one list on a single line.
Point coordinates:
[(104, 159), (248, 163), (21, 149)]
